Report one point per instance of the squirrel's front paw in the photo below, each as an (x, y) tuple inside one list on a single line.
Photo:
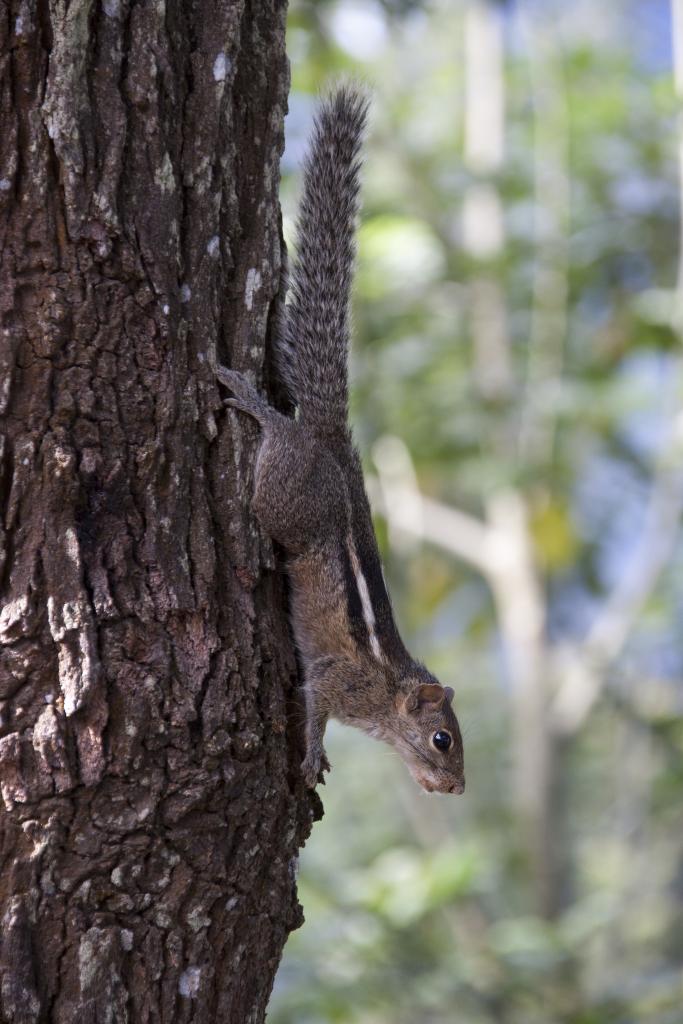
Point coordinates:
[(312, 768)]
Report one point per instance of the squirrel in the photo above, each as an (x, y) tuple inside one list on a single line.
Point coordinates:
[(309, 494)]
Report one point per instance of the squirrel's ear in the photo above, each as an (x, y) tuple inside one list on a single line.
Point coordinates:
[(425, 693), (431, 693), (449, 693)]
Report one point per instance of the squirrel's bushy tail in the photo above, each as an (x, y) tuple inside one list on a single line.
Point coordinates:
[(312, 350)]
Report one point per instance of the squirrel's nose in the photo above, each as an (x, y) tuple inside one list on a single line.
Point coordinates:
[(458, 787)]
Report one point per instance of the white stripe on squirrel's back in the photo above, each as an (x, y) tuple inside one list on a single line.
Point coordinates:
[(366, 603)]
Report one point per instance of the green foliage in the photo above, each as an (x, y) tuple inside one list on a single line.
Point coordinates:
[(422, 909)]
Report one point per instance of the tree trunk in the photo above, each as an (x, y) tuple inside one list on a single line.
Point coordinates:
[(152, 804)]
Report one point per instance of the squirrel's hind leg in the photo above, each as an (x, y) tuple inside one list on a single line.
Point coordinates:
[(299, 490), (300, 495)]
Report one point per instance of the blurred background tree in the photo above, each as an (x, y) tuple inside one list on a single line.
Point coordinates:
[(517, 400)]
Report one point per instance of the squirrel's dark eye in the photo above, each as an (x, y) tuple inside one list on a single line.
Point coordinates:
[(442, 740)]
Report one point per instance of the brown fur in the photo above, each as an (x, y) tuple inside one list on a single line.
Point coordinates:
[(302, 500), (310, 497)]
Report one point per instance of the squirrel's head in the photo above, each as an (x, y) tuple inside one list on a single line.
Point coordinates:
[(427, 736)]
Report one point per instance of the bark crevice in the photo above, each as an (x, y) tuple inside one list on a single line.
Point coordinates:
[(152, 807)]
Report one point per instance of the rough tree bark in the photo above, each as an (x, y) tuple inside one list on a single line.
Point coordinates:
[(151, 801)]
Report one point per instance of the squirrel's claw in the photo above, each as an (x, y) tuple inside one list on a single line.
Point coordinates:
[(231, 378), (312, 768), (238, 403)]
